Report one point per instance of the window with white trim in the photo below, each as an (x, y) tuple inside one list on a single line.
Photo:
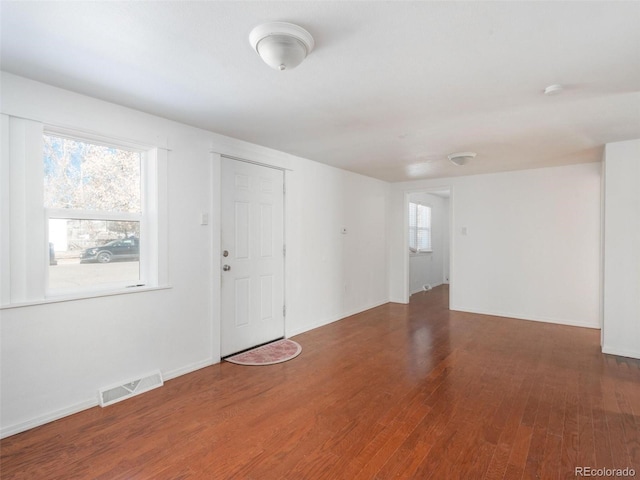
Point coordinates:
[(82, 214), (94, 213), (419, 228)]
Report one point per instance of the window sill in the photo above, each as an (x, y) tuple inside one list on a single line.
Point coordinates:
[(83, 296), (422, 253)]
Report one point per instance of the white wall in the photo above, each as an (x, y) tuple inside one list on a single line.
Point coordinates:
[(54, 357), (429, 268), (532, 249), (621, 291), (331, 274)]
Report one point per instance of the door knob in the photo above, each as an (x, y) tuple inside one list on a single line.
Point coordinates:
[(226, 268)]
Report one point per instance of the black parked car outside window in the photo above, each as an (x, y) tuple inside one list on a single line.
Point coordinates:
[(127, 249)]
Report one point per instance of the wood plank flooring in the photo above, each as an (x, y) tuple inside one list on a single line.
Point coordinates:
[(400, 391)]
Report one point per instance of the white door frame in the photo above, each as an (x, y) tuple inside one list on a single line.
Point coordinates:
[(405, 251), (216, 240)]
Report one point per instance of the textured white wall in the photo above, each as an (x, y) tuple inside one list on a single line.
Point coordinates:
[(621, 323)]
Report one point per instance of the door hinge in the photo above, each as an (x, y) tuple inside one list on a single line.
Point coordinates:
[(284, 250), (284, 310), (284, 188)]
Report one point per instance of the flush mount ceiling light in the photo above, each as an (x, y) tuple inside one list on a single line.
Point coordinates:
[(281, 45), (461, 158)]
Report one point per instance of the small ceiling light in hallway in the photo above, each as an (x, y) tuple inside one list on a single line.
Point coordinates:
[(462, 158)]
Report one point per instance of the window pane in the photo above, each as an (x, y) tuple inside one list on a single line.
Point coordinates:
[(424, 216), (412, 226), (424, 224), (93, 252), (84, 176), (412, 215), (419, 227), (424, 239), (412, 238)]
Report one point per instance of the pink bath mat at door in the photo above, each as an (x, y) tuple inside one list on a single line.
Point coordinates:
[(269, 354)]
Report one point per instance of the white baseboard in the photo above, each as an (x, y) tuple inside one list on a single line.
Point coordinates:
[(398, 300), (49, 417), (558, 321), (621, 352), (178, 372), (327, 321), (90, 403)]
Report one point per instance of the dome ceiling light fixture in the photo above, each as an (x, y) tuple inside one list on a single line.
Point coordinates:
[(281, 45), (462, 158)]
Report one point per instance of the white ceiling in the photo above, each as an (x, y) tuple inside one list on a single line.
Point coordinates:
[(390, 89)]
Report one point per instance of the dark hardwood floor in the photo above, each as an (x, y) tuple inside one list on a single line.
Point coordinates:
[(400, 391)]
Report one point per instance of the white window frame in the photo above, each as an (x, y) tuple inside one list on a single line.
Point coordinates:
[(24, 219), (413, 231)]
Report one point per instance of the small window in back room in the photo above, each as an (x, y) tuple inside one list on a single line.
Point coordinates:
[(94, 212), (419, 228)]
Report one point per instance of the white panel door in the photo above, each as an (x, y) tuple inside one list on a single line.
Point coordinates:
[(253, 269)]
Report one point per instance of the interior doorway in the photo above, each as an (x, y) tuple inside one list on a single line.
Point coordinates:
[(429, 239)]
